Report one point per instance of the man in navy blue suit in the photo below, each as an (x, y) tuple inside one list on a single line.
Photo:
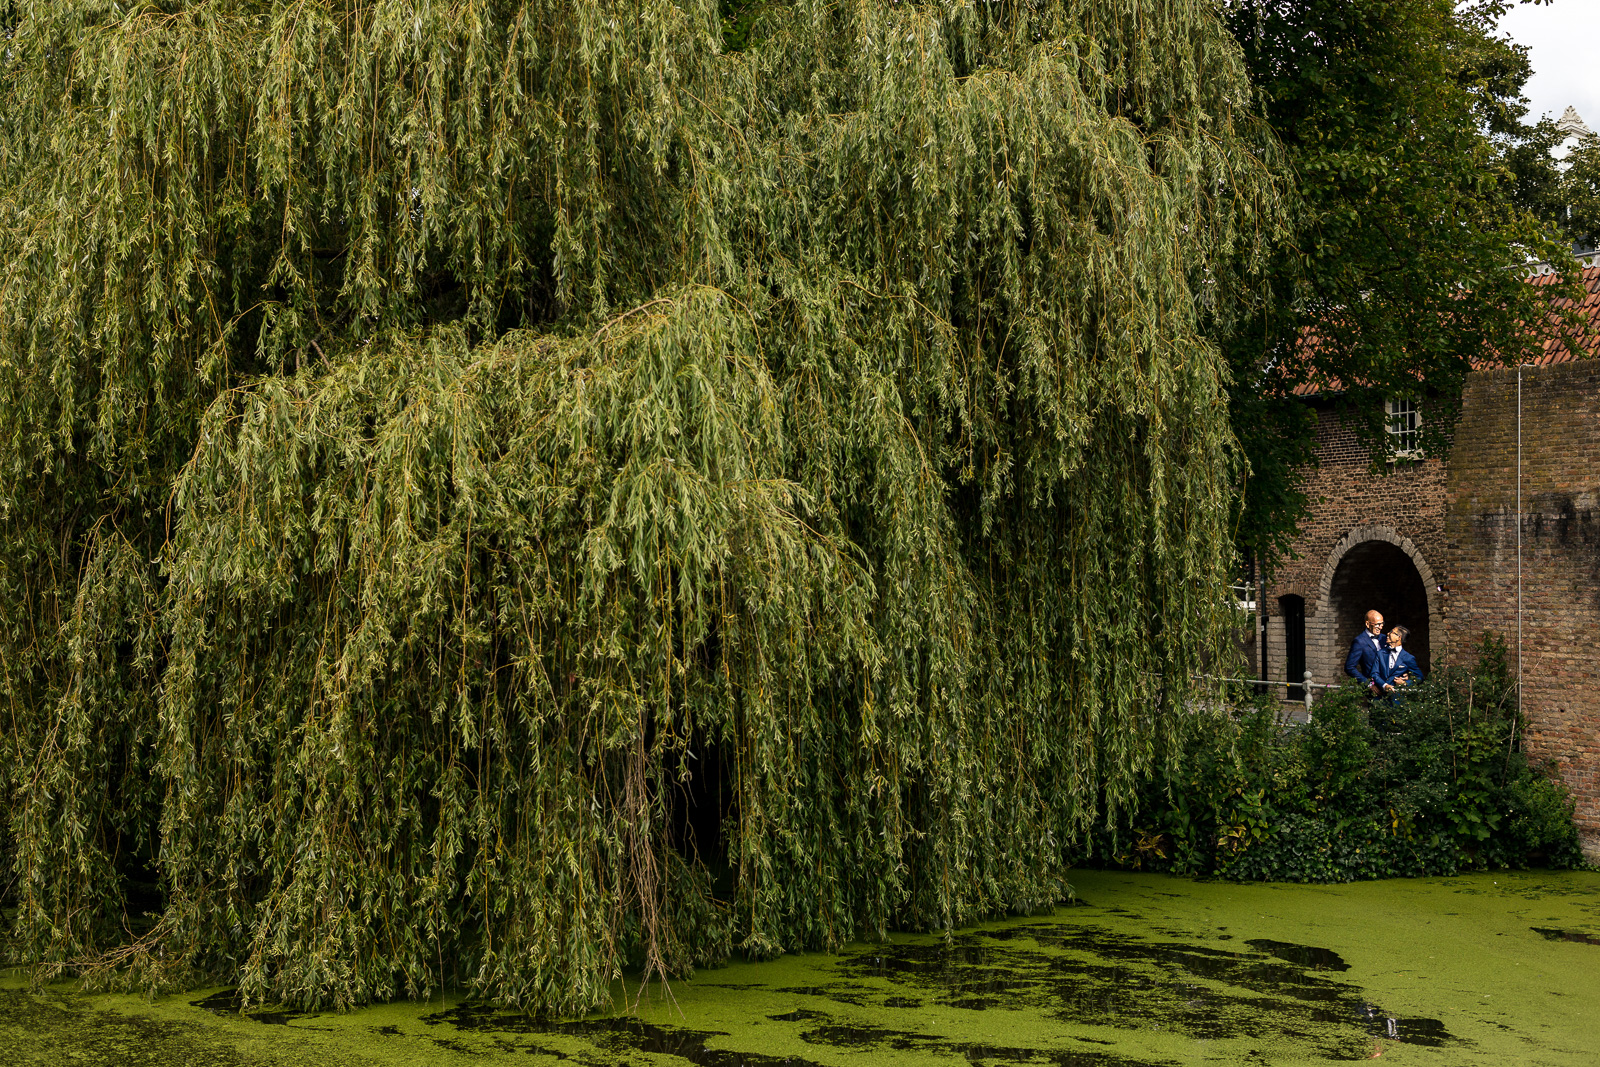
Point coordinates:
[(1365, 661), (1398, 668)]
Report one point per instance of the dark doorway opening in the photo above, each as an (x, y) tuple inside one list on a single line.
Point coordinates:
[(1376, 575), (702, 803), (1293, 611)]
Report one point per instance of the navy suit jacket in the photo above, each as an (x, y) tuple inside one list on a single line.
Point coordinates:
[(1404, 663), (1363, 663)]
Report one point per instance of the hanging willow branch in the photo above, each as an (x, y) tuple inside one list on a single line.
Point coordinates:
[(435, 441)]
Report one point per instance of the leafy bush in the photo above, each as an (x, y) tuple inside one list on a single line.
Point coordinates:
[(1431, 782)]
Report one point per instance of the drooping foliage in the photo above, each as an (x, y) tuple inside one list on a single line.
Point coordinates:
[(501, 493)]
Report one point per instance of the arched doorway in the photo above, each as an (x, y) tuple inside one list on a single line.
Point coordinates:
[(1378, 575)]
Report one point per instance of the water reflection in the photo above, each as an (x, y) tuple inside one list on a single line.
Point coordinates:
[(1092, 976), (1552, 934), (1089, 978), (1176, 972)]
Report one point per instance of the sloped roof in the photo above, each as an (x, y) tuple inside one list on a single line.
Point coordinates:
[(1588, 341), (1553, 350)]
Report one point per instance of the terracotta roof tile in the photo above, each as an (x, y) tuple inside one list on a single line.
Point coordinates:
[(1589, 312), (1553, 350)]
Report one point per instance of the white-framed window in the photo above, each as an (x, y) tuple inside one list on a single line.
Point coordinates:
[(1405, 428)]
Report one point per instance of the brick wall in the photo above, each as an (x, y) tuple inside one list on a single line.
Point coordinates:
[(1400, 507), (1454, 523), (1560, 556)]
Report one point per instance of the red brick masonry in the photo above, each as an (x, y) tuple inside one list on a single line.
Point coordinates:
[(1454, 520), (1560, 555)]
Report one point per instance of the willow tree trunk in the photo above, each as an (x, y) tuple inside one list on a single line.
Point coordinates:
[(436, 439)]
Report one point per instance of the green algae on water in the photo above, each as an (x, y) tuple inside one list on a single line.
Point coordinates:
[(1146, 970)]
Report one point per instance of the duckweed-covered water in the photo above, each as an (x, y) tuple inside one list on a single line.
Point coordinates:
[(1145, 969)]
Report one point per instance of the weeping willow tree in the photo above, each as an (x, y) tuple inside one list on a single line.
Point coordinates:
[(438, 439)]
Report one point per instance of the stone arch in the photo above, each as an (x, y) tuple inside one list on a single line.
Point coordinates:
[(1378, 567)]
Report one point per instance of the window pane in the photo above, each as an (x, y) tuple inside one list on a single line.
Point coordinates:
[(1405, 426)]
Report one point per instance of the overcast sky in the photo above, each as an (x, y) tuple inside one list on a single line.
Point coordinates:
[(1564, 43)]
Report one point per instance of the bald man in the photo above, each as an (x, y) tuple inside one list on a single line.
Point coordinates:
[(1365, 661)]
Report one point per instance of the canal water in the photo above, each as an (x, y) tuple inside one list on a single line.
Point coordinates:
[(1144, 969)]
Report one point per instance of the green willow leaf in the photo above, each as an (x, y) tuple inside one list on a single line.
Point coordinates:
[(507, 494)]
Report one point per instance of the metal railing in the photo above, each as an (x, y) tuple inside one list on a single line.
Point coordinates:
[(1307, 685)]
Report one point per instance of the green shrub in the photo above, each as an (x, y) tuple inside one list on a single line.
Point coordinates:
[(1429, 783)]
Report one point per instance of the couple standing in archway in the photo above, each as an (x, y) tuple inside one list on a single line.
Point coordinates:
[(1379, 660)]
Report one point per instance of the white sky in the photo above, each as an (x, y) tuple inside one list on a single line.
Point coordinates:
[(1564, 46)]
